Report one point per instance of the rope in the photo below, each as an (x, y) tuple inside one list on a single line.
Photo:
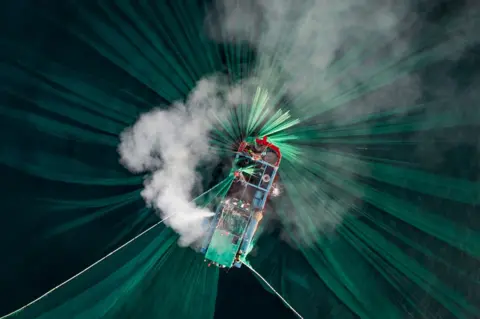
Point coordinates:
[(270, 286)]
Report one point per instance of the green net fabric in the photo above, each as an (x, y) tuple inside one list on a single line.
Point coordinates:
[(74, 74), (135, 282)]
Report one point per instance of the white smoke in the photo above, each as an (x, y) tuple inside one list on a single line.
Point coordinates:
[(304, 37), (297, 42), (330, 53), (327, 48), (169, 144)]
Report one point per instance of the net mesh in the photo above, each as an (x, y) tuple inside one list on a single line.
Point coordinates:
[(75, 74)]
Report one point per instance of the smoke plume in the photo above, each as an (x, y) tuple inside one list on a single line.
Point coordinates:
[(169, 144), (297, 42), (341, 59), (304, 38)]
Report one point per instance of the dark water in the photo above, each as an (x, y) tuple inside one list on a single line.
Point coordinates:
[(27, 37)]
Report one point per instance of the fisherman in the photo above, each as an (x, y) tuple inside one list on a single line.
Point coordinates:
[(239, 176), (259, 148), (256, 151)]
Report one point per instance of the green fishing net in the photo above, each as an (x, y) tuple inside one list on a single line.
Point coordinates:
[(75, 74)]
